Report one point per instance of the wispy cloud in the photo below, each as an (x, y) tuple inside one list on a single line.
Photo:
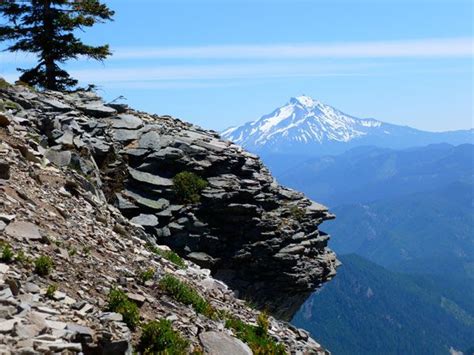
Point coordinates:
[(430, 47), (248, 62), (434, 47), (219, 72)]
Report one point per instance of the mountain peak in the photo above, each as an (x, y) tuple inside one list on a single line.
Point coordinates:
[(301, 121), (305, 101), (308, 126)]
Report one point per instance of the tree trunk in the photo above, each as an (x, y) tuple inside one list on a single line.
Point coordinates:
[(48, 58)]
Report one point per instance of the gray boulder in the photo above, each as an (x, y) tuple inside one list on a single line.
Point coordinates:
[(219, 343)]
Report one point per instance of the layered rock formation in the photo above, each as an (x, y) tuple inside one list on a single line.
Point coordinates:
[(48, 212), (257, 236)]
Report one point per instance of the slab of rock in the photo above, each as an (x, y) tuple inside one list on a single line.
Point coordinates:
[(22, 229), (135, 297), (111, 316), (66, 139), (6, 326), (127, 122), (7, 217), (4, 268), (150, 178), (58, 158), (98, 110), (124, 204), (158, 205), (153, 140), (217, 343), (80, 329), (202, 259), (145, 220), (27, 331), (31, 288), (57, 105), (126, 135)]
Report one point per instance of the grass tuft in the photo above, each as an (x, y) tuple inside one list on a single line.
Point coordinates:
[(168, 255), (50, 291), (146, 275), (120, 303), (43, 265), (184, 293), (158, 337), (256, 337), (7, 255)]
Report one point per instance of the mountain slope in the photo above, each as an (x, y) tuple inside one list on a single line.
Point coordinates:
[(368, 309), (65, 252), (366, 174), (435, 226), (308, 127)]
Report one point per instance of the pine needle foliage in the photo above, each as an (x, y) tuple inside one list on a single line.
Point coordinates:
[(48, 28)]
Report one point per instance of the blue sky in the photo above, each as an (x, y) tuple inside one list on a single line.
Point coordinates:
[(220, 63)]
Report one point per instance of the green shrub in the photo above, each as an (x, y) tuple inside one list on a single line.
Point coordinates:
[(146, 275), (119, 302), (168, 255), (297, 213), (263, 322), (158, 337), (188, 187), (86, 250), (256, 337), (22, 258), (72, 251), (6, 104), (51, 290), (184, 293), (4, 84), (43, 265), (7, 254)]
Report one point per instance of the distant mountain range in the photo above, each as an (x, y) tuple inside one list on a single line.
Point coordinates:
[(404, 228), (410, 211), (368, 309), (429, 232), (305, 126), (367, 174)]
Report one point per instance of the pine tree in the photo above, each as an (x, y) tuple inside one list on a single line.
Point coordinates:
[(46, 28)]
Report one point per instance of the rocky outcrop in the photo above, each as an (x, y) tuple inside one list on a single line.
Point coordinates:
[(46, 212), (255, 235)]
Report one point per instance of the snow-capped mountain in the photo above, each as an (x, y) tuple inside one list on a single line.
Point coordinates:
[(307, 126)]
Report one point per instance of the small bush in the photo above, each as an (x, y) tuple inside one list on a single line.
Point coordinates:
[(22, 258), (188, 187), (4, 84), (158, 337), (7, 254), (72, 251), (184, 293), (168, 255), (118, 302), (43, 265), (263, 322), (256, 337), (297, 213), (146, 275), (51, 290)]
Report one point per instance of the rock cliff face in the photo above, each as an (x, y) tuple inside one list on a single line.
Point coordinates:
[(258, 237)]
